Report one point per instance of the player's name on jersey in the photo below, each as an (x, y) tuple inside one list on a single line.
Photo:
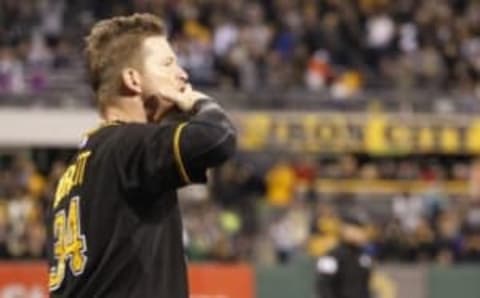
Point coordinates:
[(72, 177)]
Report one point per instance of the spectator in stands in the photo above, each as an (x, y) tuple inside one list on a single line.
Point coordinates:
[(305, 176), (281, 184), (289, 231), (471, 250), (319, 73), (348, 166), (449, 238), (408, 210), (225, 39), (422, 243), (380, 33), (12, 78)]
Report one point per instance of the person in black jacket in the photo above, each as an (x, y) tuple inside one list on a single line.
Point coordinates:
[(115, 228), (344, 272)]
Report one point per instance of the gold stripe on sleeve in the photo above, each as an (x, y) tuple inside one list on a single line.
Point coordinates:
[(178, 156)]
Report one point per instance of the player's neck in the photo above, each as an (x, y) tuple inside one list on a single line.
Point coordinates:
[(124, 111), (118, 117)]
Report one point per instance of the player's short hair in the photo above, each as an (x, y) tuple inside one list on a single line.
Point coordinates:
[(114, 44)]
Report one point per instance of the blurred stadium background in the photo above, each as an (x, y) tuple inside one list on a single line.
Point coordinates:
[(366, 104)]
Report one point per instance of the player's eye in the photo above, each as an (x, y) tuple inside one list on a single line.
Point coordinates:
[(168, 62)]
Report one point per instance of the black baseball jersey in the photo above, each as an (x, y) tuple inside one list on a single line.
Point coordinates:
[(115, 228), (344, 273)]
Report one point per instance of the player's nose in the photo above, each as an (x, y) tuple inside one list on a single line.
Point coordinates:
[(182, 74)]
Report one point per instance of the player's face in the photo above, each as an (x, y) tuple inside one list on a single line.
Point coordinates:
[(161, 70)]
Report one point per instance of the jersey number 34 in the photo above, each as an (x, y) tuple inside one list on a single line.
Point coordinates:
[(70, 245)]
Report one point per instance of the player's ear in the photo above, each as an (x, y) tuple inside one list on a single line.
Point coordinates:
[(131, 80)]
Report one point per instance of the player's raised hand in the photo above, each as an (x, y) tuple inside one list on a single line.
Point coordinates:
[(184, 98)]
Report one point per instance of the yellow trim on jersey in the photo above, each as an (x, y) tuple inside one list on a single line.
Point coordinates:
[(98, 127), (177, 154)]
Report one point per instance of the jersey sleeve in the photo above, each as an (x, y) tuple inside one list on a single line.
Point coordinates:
[(205, 141), (156, 158)]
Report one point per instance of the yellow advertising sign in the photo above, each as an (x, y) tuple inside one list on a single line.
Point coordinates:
[(343, 132)]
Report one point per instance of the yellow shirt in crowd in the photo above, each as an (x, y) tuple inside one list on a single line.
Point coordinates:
[(280, 185)]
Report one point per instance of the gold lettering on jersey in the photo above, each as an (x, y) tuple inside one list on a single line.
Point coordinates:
[(73, 176), (70, 245)]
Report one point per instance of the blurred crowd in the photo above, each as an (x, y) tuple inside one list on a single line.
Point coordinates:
[(336, 46), (33, 46), (295, 217), (24, 197), (272, 210)]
